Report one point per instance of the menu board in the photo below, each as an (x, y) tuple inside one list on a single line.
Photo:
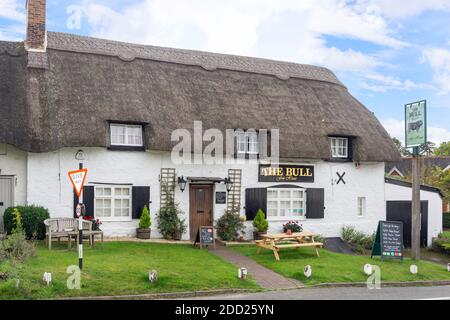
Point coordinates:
[(389, 240), (205, 236)]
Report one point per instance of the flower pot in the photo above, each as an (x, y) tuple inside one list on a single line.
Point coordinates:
[(258, 235), (289, 232), (143, 233), (177, 236)]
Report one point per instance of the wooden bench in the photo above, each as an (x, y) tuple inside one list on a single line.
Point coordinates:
[(57, 228)]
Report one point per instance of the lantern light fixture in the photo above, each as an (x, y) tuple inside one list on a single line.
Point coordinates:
[(182, 183), (228, 183)]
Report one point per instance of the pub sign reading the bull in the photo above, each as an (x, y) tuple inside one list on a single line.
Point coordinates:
[(285, 173), (416, 123)]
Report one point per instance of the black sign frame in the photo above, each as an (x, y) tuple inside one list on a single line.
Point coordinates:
[(379, 246), (221, 197), (303, 173), (200, 237)]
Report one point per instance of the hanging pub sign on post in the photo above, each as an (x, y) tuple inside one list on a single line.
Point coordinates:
[(78, 178), (415, 124), (389, 240), (415, 136)]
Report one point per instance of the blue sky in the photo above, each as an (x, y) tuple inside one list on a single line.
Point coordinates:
[(388, 53)]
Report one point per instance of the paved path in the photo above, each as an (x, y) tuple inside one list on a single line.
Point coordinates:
[(386, 293), (266, 278)]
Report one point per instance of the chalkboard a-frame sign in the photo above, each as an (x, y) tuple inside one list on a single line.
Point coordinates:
[(205, 237), (389, 240)]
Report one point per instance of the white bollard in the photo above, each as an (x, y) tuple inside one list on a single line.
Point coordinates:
[(47, 278), (307, 271), (413, 269), (242, 273), (368, 270), (448, 267), (153, 276)]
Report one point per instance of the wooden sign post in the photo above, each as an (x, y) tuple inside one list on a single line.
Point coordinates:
[(415, 136), (205, 237), (389, 240)]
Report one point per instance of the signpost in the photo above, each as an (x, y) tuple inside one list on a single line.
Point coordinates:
[(78, 178), (389, 240), (415, 135), (205, 237)]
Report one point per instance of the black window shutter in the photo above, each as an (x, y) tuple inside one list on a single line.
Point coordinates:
[(315, 203), (255, 199), (88, 200), (140, 198)]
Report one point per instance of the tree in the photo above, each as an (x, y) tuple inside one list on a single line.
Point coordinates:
[(427, 148), (403, 151), (437, 177), (443, 149)]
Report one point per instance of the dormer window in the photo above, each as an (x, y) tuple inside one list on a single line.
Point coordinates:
[(126, 135), (339, 147), (247, 142)]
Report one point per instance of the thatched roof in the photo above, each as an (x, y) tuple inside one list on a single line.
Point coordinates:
[(65, 97)]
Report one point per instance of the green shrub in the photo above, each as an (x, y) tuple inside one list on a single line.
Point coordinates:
[(260, 222), (230, 226), (16, 248), (442, 243), (169, 223), (359, 241), (32, 221), (446, 220), (145, 221)]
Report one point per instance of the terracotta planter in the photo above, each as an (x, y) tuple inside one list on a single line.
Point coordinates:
[(258, 235), (289, 232), (143, 233), (177, 236)]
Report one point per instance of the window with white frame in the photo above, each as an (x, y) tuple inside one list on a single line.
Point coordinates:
[(126, 135), (247, 142), (286, 203), (361, 206), (339, 147), (113, 203)]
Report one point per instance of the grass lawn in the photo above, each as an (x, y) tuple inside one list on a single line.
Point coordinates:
[(335, 267), (122, 268)]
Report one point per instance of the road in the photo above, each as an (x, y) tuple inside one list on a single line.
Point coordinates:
[(386, 293)]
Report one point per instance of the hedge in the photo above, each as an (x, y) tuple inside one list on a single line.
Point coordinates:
[(446, 220), (32, 221)]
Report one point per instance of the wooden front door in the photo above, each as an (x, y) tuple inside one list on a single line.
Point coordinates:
[(200, 208)]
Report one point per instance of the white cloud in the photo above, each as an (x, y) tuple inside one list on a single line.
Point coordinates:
[(402, 9), (232, 26), (378, 82), (396, 128), (12, 10), (439, 59)]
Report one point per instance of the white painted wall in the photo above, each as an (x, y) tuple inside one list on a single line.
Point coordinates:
[(49, 186), (13, 162), (400, 193)]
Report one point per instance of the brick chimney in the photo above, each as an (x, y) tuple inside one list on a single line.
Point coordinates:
[(36, 31)]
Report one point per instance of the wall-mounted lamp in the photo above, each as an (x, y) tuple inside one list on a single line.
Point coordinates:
[(182, 183), (229, 184), (80, 155)]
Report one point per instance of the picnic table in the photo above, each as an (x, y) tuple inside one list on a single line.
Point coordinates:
[(278, 241)]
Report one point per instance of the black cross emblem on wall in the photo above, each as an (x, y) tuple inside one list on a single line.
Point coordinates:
[(341, 177)]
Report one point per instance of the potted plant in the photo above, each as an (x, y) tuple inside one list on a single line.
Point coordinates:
[(260, 225), (145, 222), (179, 230), (292, 227)]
